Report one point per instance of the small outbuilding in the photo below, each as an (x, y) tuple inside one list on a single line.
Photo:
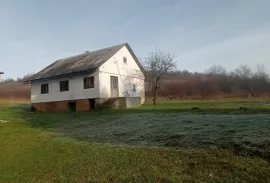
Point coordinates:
[(0, 75)]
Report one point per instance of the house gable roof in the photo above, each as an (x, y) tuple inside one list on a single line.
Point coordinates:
[(79, 64)]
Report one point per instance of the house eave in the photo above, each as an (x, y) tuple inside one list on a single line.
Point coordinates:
[(36, 80)]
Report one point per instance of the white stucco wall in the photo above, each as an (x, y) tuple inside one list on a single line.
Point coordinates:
[(76, 89), (128, 74)]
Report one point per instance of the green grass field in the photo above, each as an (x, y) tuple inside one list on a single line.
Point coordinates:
[(164, 143), (257, 105)]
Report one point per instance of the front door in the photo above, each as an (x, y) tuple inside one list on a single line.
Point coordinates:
[(114, 86)]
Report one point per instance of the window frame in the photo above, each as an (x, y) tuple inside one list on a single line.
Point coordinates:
[(66, 85), (43, 90), (92, 79), (125, 60), (134, 88)]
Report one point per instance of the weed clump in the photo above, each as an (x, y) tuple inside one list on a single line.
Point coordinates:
[(243, 109), (195, 109)]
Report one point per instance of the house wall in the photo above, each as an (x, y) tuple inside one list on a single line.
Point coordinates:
[(76, 90), (128, 74)]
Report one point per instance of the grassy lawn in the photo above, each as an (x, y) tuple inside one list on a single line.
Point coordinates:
[(257, 105), (148, 144)]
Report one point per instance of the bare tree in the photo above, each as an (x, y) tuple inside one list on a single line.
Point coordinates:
[(216, 70), (242, 76), (261, 75), (260, 80), (243, 72), (158, 64)]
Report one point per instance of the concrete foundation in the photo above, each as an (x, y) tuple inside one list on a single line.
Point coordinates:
[(51, 106), (133, 102), (85, 104), (119, 102)]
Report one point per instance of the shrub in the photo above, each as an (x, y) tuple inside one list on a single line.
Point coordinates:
[(195, 109), (243, 108)]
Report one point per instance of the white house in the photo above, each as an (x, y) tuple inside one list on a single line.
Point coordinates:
[(89, 80)]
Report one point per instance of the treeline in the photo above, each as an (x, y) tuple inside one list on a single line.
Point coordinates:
[(18, 80), (214, 82)]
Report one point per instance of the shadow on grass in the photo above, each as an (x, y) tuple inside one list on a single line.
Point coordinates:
[(191, 110), (23, 107), (243, 131)]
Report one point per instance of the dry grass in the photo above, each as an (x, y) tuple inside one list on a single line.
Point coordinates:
[(14, 90), (14, 101)]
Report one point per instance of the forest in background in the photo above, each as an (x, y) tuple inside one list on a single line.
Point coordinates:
[(215, 82)]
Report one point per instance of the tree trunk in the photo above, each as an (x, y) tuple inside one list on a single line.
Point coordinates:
[(155, 92)]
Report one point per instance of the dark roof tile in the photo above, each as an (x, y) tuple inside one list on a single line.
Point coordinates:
[(76, 64)]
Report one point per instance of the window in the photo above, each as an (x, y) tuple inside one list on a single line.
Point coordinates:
[(64, 86), (88, 82), (125, 60), (44, 88), (134, 88)]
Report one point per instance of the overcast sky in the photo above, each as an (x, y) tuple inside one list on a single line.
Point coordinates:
[(201, 33)]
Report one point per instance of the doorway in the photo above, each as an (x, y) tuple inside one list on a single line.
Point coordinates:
[(72, 106), (114, 86), (92, 103)]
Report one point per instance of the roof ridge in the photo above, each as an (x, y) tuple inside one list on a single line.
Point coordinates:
[(89, 52)]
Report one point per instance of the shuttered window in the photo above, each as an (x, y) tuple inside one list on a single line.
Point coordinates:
[(44, 88), (64, 86), (89, 82)]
